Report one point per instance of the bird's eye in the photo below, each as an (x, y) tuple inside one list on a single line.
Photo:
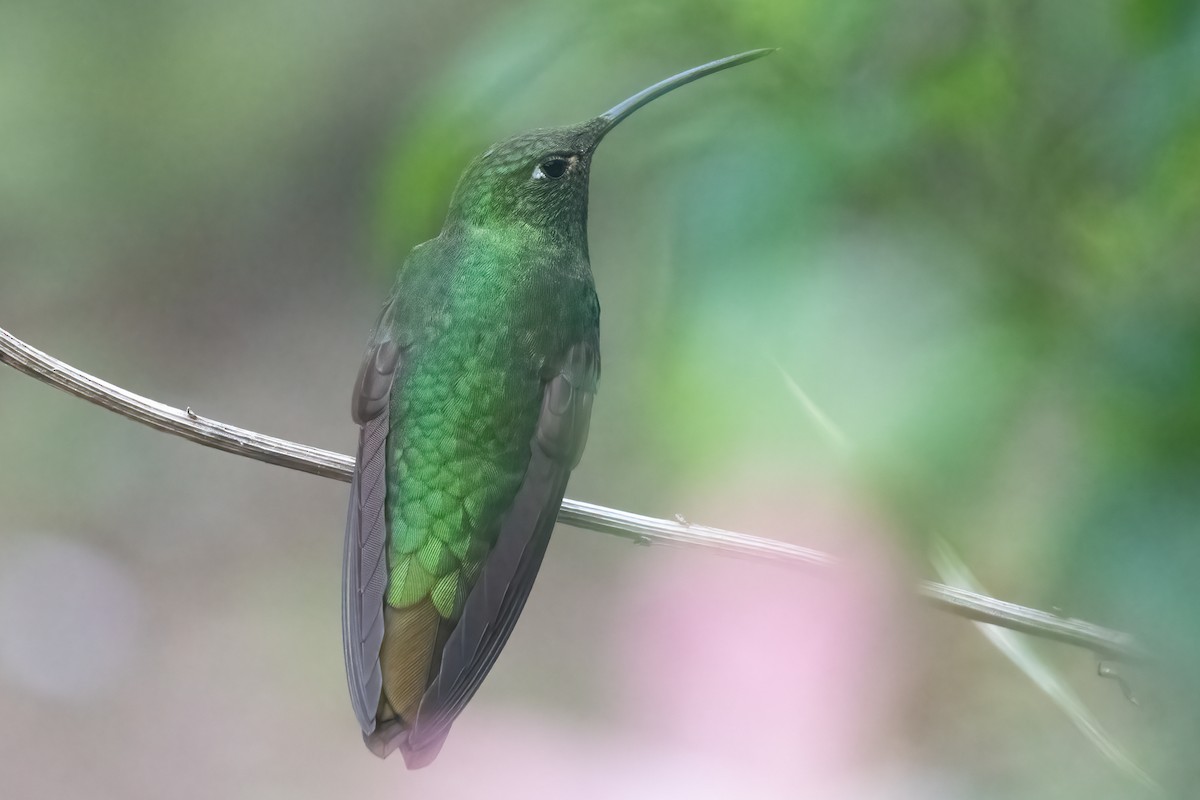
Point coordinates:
[(552, 168)]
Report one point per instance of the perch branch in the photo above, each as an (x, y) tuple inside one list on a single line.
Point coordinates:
[(1104, 642)]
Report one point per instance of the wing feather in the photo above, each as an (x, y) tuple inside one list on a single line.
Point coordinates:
[(364, 567)]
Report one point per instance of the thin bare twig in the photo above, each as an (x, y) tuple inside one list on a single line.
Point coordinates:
[(642, 529)]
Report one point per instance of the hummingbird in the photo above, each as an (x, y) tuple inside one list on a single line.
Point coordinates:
[(473, 403)]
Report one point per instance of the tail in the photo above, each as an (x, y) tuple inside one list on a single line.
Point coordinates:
[(393, 735)]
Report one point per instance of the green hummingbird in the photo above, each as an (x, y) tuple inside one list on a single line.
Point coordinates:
[(473, 404)]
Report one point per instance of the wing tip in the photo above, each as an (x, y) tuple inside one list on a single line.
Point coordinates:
[(385, 738), (393, 735), (423, 756)]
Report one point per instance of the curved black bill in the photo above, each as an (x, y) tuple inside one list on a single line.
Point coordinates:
[(620, 111)]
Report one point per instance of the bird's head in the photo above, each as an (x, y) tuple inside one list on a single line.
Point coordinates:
[(540, 178)]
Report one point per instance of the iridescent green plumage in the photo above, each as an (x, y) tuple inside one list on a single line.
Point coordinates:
[(473, 402), (465, 407)]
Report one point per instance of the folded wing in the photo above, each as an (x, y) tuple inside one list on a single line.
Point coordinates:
[(364, 572)]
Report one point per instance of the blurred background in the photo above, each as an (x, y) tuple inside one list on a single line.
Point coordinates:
[(966, 230)]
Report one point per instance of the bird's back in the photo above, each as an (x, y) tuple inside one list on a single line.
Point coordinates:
[(482, 326)]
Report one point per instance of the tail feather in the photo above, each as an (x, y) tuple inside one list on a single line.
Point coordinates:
[(413, 637), (408, 654), (394, 735)]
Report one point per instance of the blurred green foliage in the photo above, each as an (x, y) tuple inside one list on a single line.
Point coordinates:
[(951, 221), (968, 229)]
